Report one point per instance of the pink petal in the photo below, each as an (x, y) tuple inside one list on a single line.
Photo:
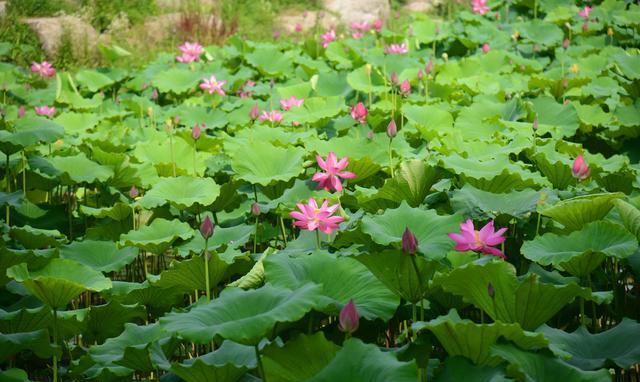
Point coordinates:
[(346, 175)]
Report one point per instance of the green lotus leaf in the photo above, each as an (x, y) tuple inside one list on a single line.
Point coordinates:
[(315, 109), (103, 256), (554, 165), (189, 275), (430, 228), (526, 301), (301, 190), (592, 351), (430, 120), (592, 115), (630, 216), (158, 236), (530, 366), (163, 153), (93, 80), (231, 237), (14, 375), (79, 169), (176, 80), (299, 359), (359, 80), (543, 33), (227, 364), (59, 281), (555, 118), (396, 270), (574, 213), (466, 338), (29, 131), (360, 362), (270, 61), (628, 64), (154, 298), (182, 192), (363, 168), (243, 316), (255, 277), (37, 341), (347, 280), (118, 211), (412, 183), (479, 204), (108, 320), (35, 238), (458, 368), (262, 163), (33, 258), (580, 252)]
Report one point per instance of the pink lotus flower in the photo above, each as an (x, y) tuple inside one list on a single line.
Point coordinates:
[(212, 85), (291, 102), (196, 131), (409, 242), (486, 48), (254, 113), (206, 228), (377, 25), (243, 92), (359, 113), (429, 67), (397, 49), (359, 29), (479, 6), (44, 69), (479, 241), (327, 38), (190, 52), (22, 111), (334, 171), (312, 217), (393, 78), (580, 169), (133, 192), (46, 111), (298, 28), (584, 12), (349, 318), (271, 116), (405, 87), (392, 129)]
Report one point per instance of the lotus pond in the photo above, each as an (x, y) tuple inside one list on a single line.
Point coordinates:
[(433, 200)]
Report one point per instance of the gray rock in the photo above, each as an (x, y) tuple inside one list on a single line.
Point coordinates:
[(349, 11), (51, 29)]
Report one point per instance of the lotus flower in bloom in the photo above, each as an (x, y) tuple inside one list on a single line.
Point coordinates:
[(206, 228), (486, 48), (359, 113), (359, 29), (312, 217), (479, 241), (584, 12), (409, 242), (44, 69), (271, 116), (580, 169), (327, 38), (479, 6), (291, 102), (349, 318), (397, 49), (46, 111), (334, 170), (377, 25), (133, 192), (212, 85), (190, 52)]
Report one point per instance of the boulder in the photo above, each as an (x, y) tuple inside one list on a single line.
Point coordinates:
[(51, 29), (306, 20), (421, 5), (349, 11)]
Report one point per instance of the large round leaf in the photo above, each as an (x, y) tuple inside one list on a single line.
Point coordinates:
[(227, 364), (576, 212), (263, 163), (29, 131), (59, 281), (158, 236), (103, 256), (79, 169), (243, 316), (182, 192)]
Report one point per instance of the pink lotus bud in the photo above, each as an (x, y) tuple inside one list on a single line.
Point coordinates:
[(176, 119), (392, 129), (195, 132), (154, 94), (359, 113), (276, 35), (566, 102), (409, 242), (535, 122), (298, 28), (420, 75), (255, 209), (394, 78), (206, 228), (580, 169), (377, 25), (491, 291), (405, 87), (349, 318), (486, 48), (255, 112), (565, 43), (429, 67), (133, 192), (370, 135), (21, 112)]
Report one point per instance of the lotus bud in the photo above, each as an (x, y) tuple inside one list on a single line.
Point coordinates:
[(409, 242), (255, 209), (565, 43), (359, 113), (566, 102), (445, 57), (580, 169), (394, 78), (255, 112), (370, 135), (206, 228), (298, 28), (429, 67), (150, 112), (21, 112), (610, 32), (405, 87), (486, 48), (491, 291), (368, 69), (195, 132), (515, 36), (349, 318), (420, 75), (392, 129), (133, 192), (154, 94), (377, 25), (535, 122)]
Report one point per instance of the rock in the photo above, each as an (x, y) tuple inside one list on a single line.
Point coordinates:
[(158, 28), (3, 8), (349, 11), (173, 5), (50, 31), (307, 21), (421, 5)]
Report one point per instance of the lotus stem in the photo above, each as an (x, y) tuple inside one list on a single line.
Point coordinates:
[(582, 319), (593, 306), (173, 157), (260, 367), (390, 158), (24, 173), (206, 270), (538, 224), (318, 246), (255, 236), (284, 232), (55, 343), (8, 188), (535, 9)]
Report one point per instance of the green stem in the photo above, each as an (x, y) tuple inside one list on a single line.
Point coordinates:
[(390, 158), (538, 224), (55, 343), (24, 174), (260, 367), (284, 232), (594, 322), (582, 319), (8, 188), (195, 152), (255, 194), (206, 270), (255, 237), (173, 158), (535, 9), (318, 246)]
